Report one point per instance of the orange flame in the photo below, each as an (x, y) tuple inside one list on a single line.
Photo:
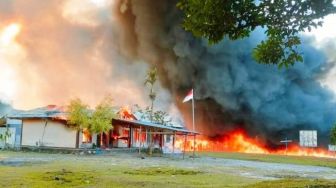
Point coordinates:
[(126, 113), (238, 141), (9, 33), (87, 138)]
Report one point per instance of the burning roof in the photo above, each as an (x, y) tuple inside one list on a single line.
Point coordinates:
[(154, 125), (124, 114)]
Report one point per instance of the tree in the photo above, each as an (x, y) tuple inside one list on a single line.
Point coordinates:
[(282, 20), (151, 78), (333, 135), (101, 120), (159, 117), (5, 136), (162, 118), (95, 121), (78, 114)]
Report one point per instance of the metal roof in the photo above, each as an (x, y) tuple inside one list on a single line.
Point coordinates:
[(149, 124), (57, 112), (50, 111)]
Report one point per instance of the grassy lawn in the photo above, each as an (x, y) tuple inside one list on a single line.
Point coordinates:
[(63, 174), (300, 160), (109, 171), (83, 172), (294, 183)]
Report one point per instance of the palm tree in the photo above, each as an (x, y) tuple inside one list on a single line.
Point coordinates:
[(151, 78), (150, 81)]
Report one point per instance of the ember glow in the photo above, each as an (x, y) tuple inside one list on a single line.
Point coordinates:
[(9, 49), (9, 33), (238, 141), (126, 113)]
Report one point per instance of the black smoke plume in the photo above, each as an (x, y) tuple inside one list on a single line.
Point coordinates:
[(231, 89)]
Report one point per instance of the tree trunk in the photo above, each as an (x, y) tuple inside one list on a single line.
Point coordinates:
[(101, 140), (152, 103)]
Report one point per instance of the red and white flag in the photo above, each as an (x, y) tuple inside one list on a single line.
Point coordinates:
[(189, 96)]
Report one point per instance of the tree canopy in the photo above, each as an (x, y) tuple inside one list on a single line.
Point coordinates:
[(150, 80), (79, 114), (96, 121), (283, 20), (159, 117), (101, 120)]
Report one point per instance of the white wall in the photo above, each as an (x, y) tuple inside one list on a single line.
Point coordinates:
[(56, 134)]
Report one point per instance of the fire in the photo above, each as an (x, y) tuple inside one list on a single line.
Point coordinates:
[(238, 141), (241, 143), (9, 34), (86, 136), (296, 150), (9, 51), (126, 113), (100, 3)]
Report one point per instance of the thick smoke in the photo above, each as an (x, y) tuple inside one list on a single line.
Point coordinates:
[(68, 49), (77, 48), (232, 90)]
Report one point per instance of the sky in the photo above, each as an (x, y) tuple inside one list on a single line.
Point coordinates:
[(327, 35), (35, 51), (51, 52)]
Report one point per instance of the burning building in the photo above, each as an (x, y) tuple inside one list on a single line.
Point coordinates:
[(109, 48), (43, 127), (48, 127)]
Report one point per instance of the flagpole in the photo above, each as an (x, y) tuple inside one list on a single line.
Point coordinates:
[(193, 119), (193, 111)]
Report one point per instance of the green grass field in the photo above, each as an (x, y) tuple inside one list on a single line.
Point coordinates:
[(55, 170), (95, 174), (300, 160)]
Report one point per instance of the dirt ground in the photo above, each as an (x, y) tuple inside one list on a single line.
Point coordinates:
[(254, 169), (247, 171)]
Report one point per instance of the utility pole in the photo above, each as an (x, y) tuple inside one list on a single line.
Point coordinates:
[(286, 141)]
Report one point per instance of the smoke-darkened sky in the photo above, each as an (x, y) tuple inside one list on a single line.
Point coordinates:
[(65, 49), (52, 51)]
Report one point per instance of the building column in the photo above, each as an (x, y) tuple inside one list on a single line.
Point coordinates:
[(140, 140), (94, 138), (174, 142), (77, 139), (107, 142), (130, 139)]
